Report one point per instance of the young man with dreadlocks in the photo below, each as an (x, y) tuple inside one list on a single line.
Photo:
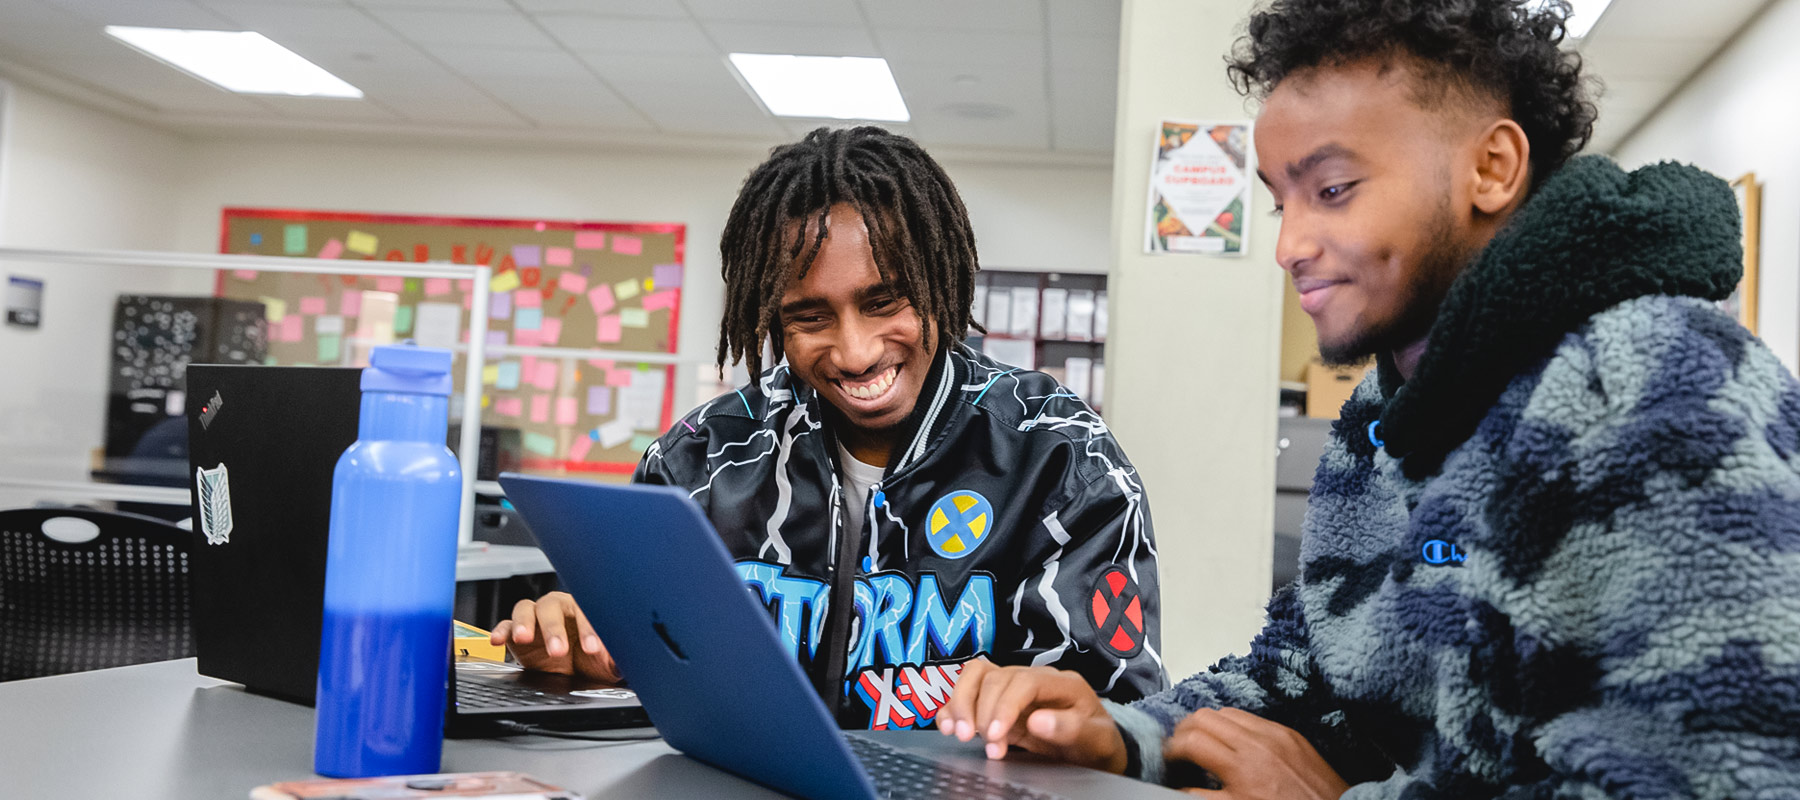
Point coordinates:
[(1553, 548), (900, 502)]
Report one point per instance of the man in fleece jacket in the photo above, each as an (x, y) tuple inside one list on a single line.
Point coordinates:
[(1553, 548)]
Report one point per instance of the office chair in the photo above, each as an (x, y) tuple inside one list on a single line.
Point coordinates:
[(83, 589)]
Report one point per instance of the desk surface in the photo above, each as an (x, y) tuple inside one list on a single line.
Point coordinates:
[(163, 731)]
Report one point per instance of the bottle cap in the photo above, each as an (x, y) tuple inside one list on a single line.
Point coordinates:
[(409, 369)]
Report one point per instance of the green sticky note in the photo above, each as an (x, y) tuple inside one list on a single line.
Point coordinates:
[(269, 360), (293, 243), (634, 318), (412, 285), (642, 442), (328, 348), (403, 319), (544, 445)]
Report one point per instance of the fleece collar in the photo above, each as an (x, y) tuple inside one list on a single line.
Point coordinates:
[(1590, 237)]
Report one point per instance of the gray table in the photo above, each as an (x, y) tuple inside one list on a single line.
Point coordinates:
[(163, 731)]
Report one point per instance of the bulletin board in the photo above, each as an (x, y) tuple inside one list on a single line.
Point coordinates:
[(575, 285)]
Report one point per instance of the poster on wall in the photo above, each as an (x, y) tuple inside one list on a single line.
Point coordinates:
[(1742, 302), (588, 288), (1200, 184), (24, 301)]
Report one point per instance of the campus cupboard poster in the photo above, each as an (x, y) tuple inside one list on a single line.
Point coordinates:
[(1199, 188)]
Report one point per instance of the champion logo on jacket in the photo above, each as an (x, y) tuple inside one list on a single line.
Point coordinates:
[(987, 535)]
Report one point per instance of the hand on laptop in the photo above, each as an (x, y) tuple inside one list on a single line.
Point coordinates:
[(1253, 758), (540, 632), (1047, 711)]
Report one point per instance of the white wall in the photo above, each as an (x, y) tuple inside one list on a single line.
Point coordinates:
[(1025, 217), (1739, 115), (75, 178)]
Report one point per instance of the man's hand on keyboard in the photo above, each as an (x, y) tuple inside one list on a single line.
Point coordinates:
[(1051, 712), (540, 633)]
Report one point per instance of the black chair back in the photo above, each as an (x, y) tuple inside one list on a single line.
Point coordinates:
[(83, 589)]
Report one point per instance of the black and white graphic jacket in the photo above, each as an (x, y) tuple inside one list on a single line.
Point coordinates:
[(1011, 526)]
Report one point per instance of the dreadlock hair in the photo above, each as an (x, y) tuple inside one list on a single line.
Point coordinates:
[(1504, 50), (918, 231)]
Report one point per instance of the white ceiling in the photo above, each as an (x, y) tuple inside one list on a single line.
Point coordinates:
[(1032, 78)]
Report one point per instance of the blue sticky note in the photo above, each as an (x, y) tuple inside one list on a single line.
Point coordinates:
[(529, 319), (509, 376), (255, 239)]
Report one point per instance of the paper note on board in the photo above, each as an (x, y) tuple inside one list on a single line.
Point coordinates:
[(437, 324), (329, 348), (506, 375), (590, 240), (572, 282), (528, 255), (602, 299), (390, 283), (504, 281), (403, 319), (599, 400), (626, 289), (332, 249), (274, 308), (634, 318), (559, 256), (436, 286), (539, 443), (667, 276), (312, 305), (490, 374), (578, 449), (361, 243), (293, 240), (609, 330), (550, 331), (615, 433), (540, 408), (509, 406), (659, 300), (545, 375), (565, 411), (528, 298), (329, 323), (627, 245), (529, 319), (500, 305), (351, 303)]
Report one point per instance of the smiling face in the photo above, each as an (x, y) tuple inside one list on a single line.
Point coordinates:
[(1378, 200), (854, 339)]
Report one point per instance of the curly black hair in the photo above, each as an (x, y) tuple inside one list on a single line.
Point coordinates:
[(1507, 50), (919, 232)]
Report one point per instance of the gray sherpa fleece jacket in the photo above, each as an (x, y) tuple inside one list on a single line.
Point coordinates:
[(1563, 561)]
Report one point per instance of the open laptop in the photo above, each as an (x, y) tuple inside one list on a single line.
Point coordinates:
[(262, 445), (660, 590)]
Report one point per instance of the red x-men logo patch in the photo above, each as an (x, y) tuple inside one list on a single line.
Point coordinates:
[(1118, 613)]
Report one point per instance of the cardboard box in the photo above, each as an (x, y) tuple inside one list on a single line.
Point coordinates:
[(1328, 387)]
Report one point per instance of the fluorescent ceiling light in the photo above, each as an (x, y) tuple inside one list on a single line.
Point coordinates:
[(1587, 12), (825, 87), (242, 61)]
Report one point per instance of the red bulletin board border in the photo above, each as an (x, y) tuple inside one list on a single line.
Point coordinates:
[(679, 230)]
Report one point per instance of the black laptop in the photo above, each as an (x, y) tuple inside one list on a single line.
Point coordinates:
[(262, 444)]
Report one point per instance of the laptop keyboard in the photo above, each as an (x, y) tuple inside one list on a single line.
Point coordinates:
[(899, 774), (472, 692)]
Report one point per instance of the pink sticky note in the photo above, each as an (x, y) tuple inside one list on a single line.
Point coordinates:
[(602, 299), (291, 328), (590, 240), (332, 249), (436, 286), (528, 367), (351, 304), (559, 256), (540, 408), (610, 331), (509, 406), (390, 283), (578, 449), (525, 337), (528, 298), (565, 411), (659, 300), (618, 377), (545, 377), (600, 363), (468, 299), (312, 305), (572, 282), (667, 276), (244, 274), (628, 245), (464, 284), (549, 331)]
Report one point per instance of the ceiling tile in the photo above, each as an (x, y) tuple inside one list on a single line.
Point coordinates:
[(686, 94), (315, 22), (964, 105), (146, 13), (1083, 93), (355, 59), (328, 108), (803, 40), (570, 103), (1024, 52), (459, 5), (509, 62), (795, 12), (1025, 16), (1661, 19), (608, 8), (494, 29), (1673, 58), (1099, 18), (611, 35), (453, 105), (144, 81)]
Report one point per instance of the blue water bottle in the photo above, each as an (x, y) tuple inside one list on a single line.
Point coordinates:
[(390, 575)]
